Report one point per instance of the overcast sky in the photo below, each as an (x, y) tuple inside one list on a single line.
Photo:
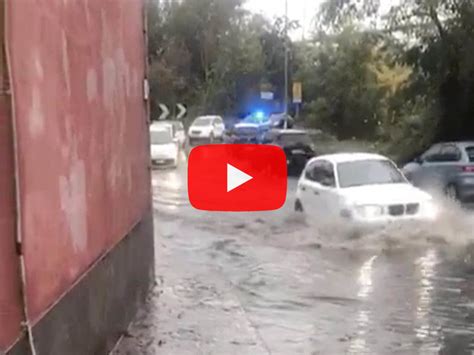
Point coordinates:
[(301, 10)]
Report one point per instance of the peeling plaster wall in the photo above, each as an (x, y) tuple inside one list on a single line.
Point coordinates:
[(77, 79)]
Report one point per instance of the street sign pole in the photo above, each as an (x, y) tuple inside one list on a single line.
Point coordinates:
[(286, 65)]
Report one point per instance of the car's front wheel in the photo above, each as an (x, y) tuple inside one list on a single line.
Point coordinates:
[(298, 206)]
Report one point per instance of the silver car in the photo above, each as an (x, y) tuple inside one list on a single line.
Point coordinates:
[(448, 167)]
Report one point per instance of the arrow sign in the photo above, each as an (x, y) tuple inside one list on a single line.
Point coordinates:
[(182, 111), (236, 178), (164, 112)]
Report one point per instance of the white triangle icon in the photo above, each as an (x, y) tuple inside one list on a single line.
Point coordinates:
[(236, 178)]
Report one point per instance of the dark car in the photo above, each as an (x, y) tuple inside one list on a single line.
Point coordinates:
[(297, 145), (277, 121)]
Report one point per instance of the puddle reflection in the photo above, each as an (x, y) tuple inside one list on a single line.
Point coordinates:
[(424, 330), (359, 345)]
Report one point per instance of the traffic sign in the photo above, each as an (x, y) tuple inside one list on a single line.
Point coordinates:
[(182, 111), (297, 93), (164, 112), (266, 95)]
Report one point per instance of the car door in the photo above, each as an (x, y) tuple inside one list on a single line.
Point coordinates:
[(441, 166), (423, 175), (318, 188)]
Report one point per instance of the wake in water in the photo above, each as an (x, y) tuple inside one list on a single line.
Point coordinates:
[(454, 227)]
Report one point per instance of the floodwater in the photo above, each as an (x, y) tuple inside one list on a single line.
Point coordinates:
[(273, 283)]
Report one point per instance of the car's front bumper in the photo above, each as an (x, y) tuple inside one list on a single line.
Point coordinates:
[(389, 222)]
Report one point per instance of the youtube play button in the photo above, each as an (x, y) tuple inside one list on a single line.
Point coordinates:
[(237, 178)]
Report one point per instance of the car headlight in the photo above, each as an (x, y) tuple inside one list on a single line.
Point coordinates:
[(430, 209), (369, 211)]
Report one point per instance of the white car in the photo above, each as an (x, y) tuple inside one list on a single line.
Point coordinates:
[(207, 129), (363, 190), (164, 147), (176, 128)]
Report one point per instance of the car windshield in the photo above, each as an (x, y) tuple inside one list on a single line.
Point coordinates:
[(160, 137), (294, 139), (202, 122), (470, 154), (368, 172)]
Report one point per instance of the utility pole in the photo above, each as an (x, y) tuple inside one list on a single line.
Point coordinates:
[(286, 64)]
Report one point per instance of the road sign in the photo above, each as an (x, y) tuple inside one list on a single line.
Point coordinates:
[(297, 93), (164, 112), (182, 111), (266, 95)]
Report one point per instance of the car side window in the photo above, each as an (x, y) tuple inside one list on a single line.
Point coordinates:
[(431, 153), (470, 154), (447, 153), (322, 172)]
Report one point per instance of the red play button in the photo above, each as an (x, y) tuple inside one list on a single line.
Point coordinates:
[(237, 177)]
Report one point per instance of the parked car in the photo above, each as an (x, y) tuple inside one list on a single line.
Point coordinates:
[(177, 130), (249, 133), (206, 129), (297, 145), (164, 147), (363, 190), (448, 167)]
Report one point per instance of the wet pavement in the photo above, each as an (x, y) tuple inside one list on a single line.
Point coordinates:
[(276, 283)]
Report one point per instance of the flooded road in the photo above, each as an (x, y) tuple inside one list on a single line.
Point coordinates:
[(272, 283)]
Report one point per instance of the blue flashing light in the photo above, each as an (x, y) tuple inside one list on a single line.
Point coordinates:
[(259, 115)]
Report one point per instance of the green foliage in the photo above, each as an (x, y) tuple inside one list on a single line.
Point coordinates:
[(345, 90), (405, 76), (435, 42), (211, 53)]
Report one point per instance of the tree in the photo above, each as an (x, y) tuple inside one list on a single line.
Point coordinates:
[(438, 38), (212, 54)]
